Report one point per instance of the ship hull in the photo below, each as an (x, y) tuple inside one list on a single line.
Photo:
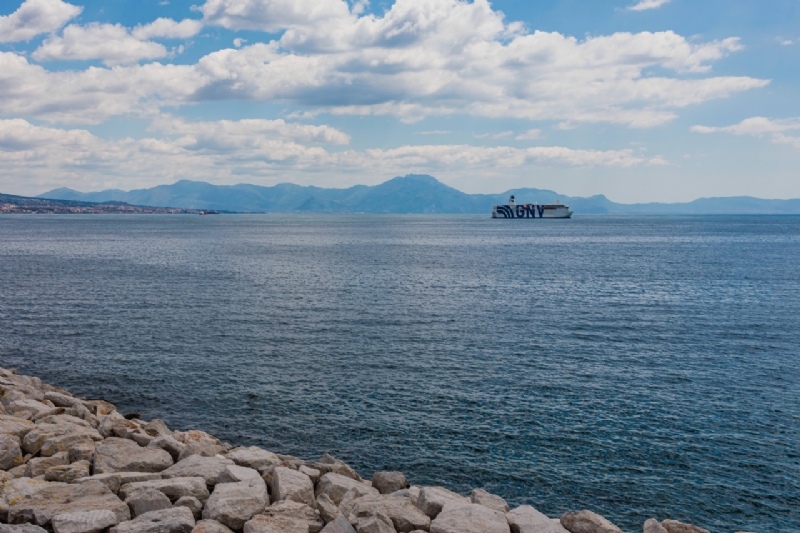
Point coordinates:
[(531, 211)]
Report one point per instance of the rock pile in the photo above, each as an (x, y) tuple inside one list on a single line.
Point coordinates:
[(71, 465)]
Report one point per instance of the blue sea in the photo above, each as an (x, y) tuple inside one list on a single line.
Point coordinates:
[(636, 366)]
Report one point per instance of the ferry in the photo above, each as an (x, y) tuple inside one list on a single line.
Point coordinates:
[(512, 210)]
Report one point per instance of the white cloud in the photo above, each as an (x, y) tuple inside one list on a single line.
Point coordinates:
[(166, 28), (435, 132), (530, 135), (500, 135), (238, 42), (112, 43), (35, 17), (648, 4), (758, 127)]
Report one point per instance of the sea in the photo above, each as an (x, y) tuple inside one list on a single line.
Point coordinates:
[(638, 366)]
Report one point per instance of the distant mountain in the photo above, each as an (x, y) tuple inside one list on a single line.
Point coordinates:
[(11, 204), (408, 194)]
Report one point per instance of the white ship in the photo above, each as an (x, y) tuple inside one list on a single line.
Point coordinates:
[(512, 210)]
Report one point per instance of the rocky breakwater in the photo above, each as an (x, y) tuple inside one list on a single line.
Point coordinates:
[(72, 465)]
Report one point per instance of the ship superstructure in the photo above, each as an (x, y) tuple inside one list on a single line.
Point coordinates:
[(512, 210)]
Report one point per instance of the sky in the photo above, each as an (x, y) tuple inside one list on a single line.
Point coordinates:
[(640, 100)]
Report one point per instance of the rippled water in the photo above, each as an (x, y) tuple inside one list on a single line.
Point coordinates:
[(637, 366)]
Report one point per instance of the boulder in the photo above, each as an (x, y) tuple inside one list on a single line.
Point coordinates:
[(431, 500), (673, 526), (10, 452), (288, 484), (204, 449), (375, 522), (59, 420), (156, 428), (39, 465), (122, 455), (84, 521), (481, 497), (31, 408), (404, 515), (124, 428), (340, 525), (42, 503), (209, 468), (61, 400), (312, 473), (68, 473), (81, 452), (21, 528), (285, 517), (17, 427), (458, 517), (210, 526), (526, 519), (168, 444), (106, 425), (141, 438), (336, 485), (174, 488), (191, 503), (145, 501), (174, 520), (652, 525), (388, 482), (49, 439), (587, 522), (115, 480), (254, 457), (233, 504), (327, 509), (196, 436), (235, 474), (82, 412), (330, 464)]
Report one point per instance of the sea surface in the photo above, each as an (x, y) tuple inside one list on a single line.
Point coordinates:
[(636, 366)]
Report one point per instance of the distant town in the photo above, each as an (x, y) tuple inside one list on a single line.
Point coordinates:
[(10, 204)]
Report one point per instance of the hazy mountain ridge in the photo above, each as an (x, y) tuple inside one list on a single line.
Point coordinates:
[(408, 194)]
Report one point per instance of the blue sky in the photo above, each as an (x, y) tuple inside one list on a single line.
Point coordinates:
[(641, 100)]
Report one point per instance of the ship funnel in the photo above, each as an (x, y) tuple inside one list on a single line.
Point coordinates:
[(511, 201)]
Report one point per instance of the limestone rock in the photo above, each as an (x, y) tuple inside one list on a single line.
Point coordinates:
[(404, 515), (653, 526), (431, 500), (84, 521), (233, 504), (457, 517), (285, 517), (156, 428), (123, 428), (235, 474), (81, 452), (492, 501), (147, 500), (209, 526), (106, 426), (336, 485), (169, 444), (587, 522), (340, 525), (100, 407), (68, 473), (82, 412), (312, 473), (39, 465), (21, 528), (58, 420), (61, 400), (49, 439), (121, 455), (254, 457), (376, 522), (673, 526), (327, 509), (388, 482), (209, 468), (115, 480), (10, 452), (526, 519), (191, 503), (31, 407), (39, 504), (195, 436), (174, 488), (141, 438), (329, 464), (288, 484), (17, 427), (204, 449), (174, 520)]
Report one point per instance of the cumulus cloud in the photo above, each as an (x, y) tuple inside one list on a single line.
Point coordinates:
[(112, 43), (758, 127), (35, 17), (166, 28), (644, 5), (530, 135)]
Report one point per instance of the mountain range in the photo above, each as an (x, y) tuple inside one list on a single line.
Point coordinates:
[(413, 193)]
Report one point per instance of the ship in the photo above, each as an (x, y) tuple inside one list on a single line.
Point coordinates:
[(512, 210)]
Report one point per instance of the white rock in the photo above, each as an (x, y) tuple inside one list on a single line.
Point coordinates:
[(210, 526), (285, 517), (21, 528), (526, 519), (254, 457), (50, 439), (673, 526), (168, 444), (288, 484), (191, 503), (587, 522), (313, 473), (10, 452), (68, 473), (39, 465), (174, 520), (174, 488), (376, 522), (404, 515), (145, 501), (84, 521), (61, 400), (233, 504), (336, 485), (340, 525), (122, 455), (653, 526), (209, 468), (492, 501), (431, 500), (235, 474), (327, 509), (17, 427), (469, 518), (389, 482)]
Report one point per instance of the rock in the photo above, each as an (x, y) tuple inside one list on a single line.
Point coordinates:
[(84, 521), (81, 452), (10, 452), (288, 484), (481, 497), (49, 439), (39, 465), (587, 522), (82, 412), (32, 407), (174, 488), (156, 428), (431, 500), (457, 517), (404, 515), (121, 455), (233, 504), (210, 526), (376, 522), (68, 473), (169, 444), (388, 482), (17, 427), (673, 526), (59, 420), (329, 464), (339, 525), (116, 479), (526, 519), (235, 474), (327, 509), (312, 473), (140, 438), (106, 426), (336, 485), (40, 503), (100, 407), (195, 436), (209, 468), (191, 503), (145, 501), (174, 520), (61, 400), (254, 457), (201, 448), (123, 428), (652, 525), (21, 528), (285, 517), (18, 471)]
